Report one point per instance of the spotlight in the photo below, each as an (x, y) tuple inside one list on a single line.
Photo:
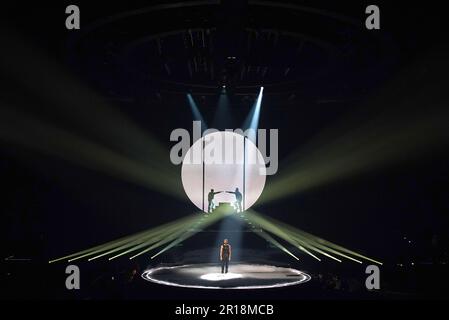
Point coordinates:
[(195, 111), (252, 120), (224, 86), (220, 276)]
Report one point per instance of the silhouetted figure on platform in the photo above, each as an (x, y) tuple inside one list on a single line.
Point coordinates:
[(225, 255), (210, 198), (238, 199)]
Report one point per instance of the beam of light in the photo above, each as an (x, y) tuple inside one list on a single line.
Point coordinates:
[(300, 247), (176, 231), (235, 225), (196, 112), (223, 120), (197, 227), (69, 104), (71, 101), (151, 235), (313, 242), (252, 120), (278, 232), (125, 240), (319, 242), (406, 120), (150, 238), (296, 236), (308, 245), (308, 252), (284, 235), (155, 240), (116, 243), (186, 232), (276, 243), (312, 246), (339, 249), (107, 245), (159, 243), (223, 114), (301, 242), (25, 130), (167, 239), (316, 247)]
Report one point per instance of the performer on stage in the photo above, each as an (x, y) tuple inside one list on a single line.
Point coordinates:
[(238, 199), (210, 198), (225, 255)]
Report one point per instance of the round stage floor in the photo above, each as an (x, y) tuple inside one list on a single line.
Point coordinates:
[(240, 276)]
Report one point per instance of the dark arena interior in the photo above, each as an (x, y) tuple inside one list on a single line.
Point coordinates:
[(351, 202)]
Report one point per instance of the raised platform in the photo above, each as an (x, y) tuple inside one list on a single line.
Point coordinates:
[(240, 276)]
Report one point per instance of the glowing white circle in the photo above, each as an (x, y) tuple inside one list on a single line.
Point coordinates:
[(223, 156)]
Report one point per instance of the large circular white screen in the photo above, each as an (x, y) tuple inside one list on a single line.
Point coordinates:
[(224, 170)]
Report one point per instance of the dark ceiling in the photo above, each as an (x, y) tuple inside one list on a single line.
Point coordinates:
[(167, 49)]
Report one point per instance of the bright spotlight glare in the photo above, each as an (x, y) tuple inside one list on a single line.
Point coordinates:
[(220, 276)]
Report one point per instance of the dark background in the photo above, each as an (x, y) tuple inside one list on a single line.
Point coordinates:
[(51, 207)]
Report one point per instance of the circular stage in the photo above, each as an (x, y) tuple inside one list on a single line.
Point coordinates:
[(240, 276)]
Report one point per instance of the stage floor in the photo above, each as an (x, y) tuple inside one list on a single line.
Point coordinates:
[(240, 276)]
